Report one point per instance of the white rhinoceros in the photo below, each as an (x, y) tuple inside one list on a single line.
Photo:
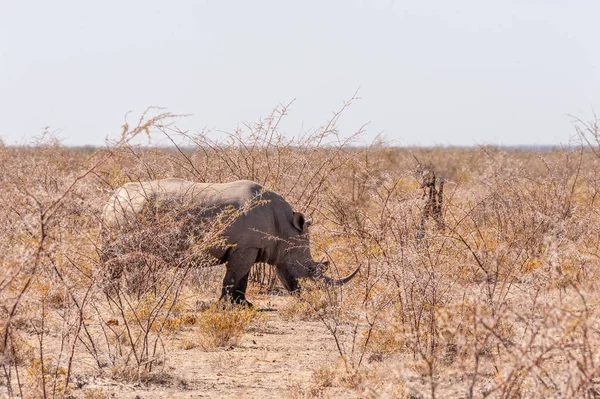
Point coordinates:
[(261, 227)]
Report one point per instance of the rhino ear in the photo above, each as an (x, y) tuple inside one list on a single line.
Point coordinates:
[(300, 223)]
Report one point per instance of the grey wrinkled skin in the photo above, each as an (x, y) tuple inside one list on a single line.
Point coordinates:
[(265, 228)]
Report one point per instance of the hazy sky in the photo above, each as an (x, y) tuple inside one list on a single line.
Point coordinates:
[(429, 72)]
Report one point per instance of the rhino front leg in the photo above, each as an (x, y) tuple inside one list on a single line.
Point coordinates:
[(235, 282)]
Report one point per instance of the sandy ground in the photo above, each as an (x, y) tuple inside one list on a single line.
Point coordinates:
[(274, 360)]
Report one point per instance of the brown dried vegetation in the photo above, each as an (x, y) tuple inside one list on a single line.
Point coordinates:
[(486, 286)]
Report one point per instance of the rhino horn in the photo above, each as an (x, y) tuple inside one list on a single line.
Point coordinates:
[(339, 281)]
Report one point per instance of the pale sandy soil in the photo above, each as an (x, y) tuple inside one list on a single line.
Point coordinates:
[(273, 360)]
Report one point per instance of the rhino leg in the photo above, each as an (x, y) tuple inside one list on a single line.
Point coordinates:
[(235, 282), (289, 281)]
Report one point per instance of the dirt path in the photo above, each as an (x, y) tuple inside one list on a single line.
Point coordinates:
[(274, 360)]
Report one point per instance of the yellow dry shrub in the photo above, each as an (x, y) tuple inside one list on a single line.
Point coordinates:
[(96, 393), (323, 377), (187, 344), (223, 325), (383, 341), (17, 351), (531, 264), (47, 372), (121, 371), (310, 304), (159, 313)]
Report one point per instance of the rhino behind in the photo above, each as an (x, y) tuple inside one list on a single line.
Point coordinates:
[(258, 225)]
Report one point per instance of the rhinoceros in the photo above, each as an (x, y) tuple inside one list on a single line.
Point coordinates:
[(264, 228)]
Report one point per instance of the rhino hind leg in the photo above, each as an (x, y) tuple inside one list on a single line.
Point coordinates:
[(236, 278)]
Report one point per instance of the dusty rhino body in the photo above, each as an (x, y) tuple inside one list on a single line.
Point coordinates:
[(264, 228)]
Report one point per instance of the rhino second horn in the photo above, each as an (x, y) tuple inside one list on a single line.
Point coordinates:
[(340, 281)]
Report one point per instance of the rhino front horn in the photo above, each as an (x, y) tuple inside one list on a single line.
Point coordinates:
[(340, 281)]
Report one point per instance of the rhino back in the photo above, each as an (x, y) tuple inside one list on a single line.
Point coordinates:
[(131, 198), (263, 213), (264, 221)]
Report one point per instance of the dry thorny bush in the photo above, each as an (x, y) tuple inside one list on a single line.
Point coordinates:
[(494, 293)]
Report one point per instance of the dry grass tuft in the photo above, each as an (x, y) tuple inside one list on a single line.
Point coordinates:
[(312, 302), (223, 325), (96, 393)]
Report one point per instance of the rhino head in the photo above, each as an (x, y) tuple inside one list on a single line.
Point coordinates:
[(296, 261)]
